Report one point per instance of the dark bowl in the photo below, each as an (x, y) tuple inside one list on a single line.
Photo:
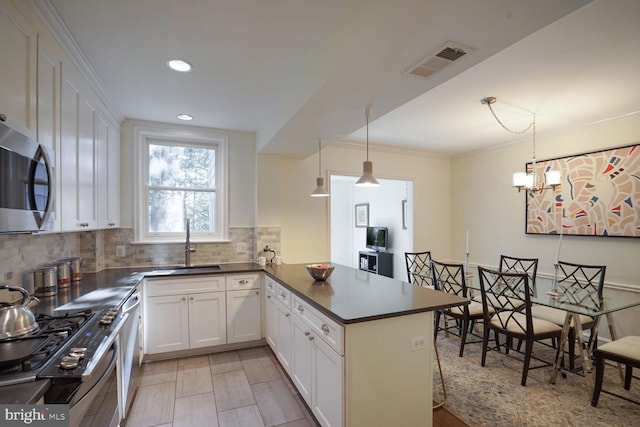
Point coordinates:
[(320, 271)]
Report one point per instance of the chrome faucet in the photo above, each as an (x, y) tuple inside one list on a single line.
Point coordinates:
[(187, 246)]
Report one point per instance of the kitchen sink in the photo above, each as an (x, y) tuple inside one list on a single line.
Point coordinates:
[(181, 269)]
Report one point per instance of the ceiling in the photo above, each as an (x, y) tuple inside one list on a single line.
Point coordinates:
[(293, 71)]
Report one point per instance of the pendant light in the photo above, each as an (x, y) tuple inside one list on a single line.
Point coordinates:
[(320, 190), (527, 180), (367, 179)]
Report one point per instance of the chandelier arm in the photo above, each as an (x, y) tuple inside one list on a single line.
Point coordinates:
[(504, 126)]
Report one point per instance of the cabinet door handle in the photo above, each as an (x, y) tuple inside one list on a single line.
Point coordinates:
[(283, 295), (311, 338), (184, 298), (325, 328), (191, 298), (287, 315), (301, 309), (257, 292), (243, 281), (268, 296), (307, 333)]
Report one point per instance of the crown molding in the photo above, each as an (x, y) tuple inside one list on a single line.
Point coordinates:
[(55, 24)]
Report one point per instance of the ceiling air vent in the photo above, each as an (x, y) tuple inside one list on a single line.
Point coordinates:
[(448, 53)]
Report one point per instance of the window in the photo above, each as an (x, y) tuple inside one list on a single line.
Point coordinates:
[(181, 175)]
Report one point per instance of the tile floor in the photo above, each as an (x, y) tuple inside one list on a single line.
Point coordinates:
[(242, 388)]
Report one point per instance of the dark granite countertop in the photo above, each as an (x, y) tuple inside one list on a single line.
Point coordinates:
[(350, 295), (111, 287)]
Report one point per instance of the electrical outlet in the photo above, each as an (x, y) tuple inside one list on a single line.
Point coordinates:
[(241, 248), (120, 251), (418, 343)]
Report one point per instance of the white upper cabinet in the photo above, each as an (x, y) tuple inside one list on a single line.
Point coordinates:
[(45, 96), (78, 122), (107, 172), (48, 109), (18, 70)]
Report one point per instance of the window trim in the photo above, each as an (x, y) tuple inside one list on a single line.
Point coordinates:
[(142, 136)]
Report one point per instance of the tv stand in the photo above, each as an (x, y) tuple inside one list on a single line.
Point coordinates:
[(376, 262)]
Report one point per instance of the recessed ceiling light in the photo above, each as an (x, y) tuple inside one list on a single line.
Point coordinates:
[(179, 65), (184, 117)]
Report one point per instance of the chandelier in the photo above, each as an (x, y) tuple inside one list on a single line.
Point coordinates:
[(527, 180)]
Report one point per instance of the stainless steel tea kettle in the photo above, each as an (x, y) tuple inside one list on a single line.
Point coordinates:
[(16, 317)]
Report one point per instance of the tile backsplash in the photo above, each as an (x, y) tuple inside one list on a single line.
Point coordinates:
[(21, 252)]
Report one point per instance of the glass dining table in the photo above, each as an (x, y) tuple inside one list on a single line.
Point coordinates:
[(575, 303)]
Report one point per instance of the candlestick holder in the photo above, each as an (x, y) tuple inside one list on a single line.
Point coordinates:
[(555, 292), (466, 263)]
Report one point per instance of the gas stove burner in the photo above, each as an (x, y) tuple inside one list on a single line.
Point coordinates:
[(29, 354), (71, 321)]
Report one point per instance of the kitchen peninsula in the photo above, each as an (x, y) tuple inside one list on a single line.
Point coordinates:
[(370, 340), (358, 346)]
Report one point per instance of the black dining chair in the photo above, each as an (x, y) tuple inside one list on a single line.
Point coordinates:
[(625, 350), (520, 265), (506, 302), (418, 268), (450, 278), (580, 283)]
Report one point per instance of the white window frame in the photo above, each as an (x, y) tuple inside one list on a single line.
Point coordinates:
[(145, 135)]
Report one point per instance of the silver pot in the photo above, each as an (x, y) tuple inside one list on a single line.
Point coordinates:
[(76, 264), (16, 317), (45, 280)]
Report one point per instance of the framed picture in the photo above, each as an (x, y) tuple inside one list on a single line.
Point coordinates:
[(599, 195), (362, 215), (404, 214)]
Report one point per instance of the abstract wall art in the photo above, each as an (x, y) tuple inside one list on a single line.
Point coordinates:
[(599, 195)]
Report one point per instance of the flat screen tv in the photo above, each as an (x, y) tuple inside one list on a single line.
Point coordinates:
[(377, 238)]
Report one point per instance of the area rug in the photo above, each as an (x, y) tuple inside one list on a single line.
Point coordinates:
[(492, 395)]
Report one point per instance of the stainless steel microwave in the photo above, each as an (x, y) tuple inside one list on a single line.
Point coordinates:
[(26, 183)]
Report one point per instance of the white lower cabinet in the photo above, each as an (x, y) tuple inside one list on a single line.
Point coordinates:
[(207, 319), (244, 315), (317, 368), (284, 327), (166, 325), (270, 316), (182, 313), (284, 331), (327, 385), (310, 348)]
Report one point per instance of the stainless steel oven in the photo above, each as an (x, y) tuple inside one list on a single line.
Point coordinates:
[(84, 373), (129, 373), (26, 183)]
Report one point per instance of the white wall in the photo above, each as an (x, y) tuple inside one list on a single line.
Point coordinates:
[(484, 201)]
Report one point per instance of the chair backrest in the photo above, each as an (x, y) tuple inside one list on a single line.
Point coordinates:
[(503, 294), (418, 268), (448, 278), (520, 265), (580, 281)]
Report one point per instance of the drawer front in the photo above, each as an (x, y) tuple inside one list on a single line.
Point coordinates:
[(181, 285), (270, 285), (243, 281), (330, 331), (283, 295)]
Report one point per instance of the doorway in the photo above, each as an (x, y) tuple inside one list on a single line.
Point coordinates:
[(386, 207)]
